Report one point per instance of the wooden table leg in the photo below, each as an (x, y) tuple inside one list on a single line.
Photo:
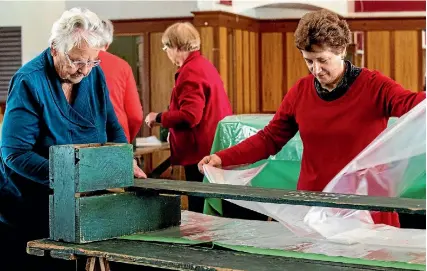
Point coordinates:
[(155, 173), (91, 264), (104, 265)]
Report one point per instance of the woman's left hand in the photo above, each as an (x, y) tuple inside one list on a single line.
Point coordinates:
[(137, 172), (151, 119)]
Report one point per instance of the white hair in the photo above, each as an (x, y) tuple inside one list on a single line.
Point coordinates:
[(76, 27), (109, 31)]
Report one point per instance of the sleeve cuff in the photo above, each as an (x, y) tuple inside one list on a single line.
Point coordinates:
[(159, 118), (225, 158)]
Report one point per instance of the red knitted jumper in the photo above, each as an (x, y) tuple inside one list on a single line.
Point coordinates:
[(332, 132)]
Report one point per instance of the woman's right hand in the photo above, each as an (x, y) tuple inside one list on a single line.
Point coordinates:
[(211, 160)]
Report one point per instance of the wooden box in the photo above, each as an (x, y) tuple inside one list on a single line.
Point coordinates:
[(83, 210)]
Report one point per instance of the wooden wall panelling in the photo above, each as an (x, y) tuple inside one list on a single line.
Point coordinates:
[(421, 62), (423, 66), (2, 109), (285, 64), (254, 71), (234, 56), (238, 41), (246, 73), (295, 64), (407, 59), (271, 71), (258, 61), (144, 78), (281, 25), (229, 20), (392, 60), (231, 79), (386, 24), (355, 24), (162, 73), (223, 55), (378, 51), (207, 43)]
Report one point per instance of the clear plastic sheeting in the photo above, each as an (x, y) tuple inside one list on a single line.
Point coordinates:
[(263, 237), (233, 177), (282, 169), (336, 225), (391, 166)]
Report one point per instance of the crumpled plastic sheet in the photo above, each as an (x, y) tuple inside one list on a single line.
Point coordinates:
[(390, 166), (344, 226), (272, 235)]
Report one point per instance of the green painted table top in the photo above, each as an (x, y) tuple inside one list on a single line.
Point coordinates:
[(204, 242), (281, 196), (184, 257), (272, 239)]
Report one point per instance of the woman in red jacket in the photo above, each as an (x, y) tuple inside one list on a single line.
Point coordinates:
[(338, 109), (197, 104)]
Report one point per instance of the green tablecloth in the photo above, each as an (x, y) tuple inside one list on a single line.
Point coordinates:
[(271, 238), (283, 169)]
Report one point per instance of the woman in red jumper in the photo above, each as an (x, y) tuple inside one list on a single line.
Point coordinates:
[(338, 109), (197, 104)]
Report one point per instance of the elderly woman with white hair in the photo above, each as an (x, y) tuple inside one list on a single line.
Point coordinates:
[(59, 97)]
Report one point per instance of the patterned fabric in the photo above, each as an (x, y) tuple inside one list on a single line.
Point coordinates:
[(351, 73)]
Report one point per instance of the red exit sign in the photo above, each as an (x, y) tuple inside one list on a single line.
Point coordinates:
[(226, 2), (390, 5)]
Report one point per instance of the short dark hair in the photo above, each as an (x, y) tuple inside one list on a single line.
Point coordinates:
[(322, 28)]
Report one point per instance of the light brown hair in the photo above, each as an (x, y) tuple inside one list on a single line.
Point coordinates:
[(324, 29), (183, 36)]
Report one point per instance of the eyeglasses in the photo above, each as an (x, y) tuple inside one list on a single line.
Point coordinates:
[(81, 64), (165, 48)]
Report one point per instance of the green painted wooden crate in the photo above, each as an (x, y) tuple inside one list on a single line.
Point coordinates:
[(82, 210)]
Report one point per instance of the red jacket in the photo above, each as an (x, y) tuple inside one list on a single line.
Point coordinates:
[(332, 132), (123, 93), (198, 102)]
